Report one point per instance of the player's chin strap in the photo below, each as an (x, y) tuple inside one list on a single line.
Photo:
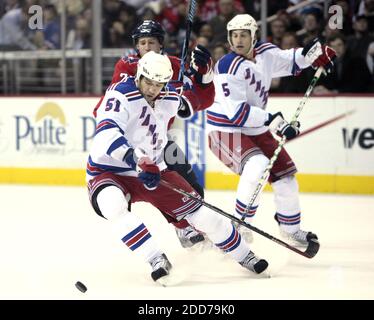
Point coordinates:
[(310, 251), (266, 173)]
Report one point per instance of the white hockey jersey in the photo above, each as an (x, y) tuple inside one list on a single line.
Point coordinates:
[(242, 85), (126, 120)]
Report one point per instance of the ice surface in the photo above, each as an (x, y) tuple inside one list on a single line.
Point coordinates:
[(50, 238)]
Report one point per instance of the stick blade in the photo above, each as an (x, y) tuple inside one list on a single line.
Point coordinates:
[(312, 249)]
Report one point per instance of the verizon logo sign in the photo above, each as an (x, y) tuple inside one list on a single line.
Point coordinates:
[(363, 138)]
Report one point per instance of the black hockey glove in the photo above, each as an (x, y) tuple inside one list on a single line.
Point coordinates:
[(280, 126), (202, 64)]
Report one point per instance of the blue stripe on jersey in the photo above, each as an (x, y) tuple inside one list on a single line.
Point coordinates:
[(246, 115), (242, 113), (225, 62), (259, 43), (219, 115), (237, 67), (224, 125), (171, 98), (107, 124), (106, 167), (135, 98), (266, 49), (117, 144), (262, 46), (295, 68)]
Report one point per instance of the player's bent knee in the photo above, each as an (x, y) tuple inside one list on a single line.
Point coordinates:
[(206, 220), (112, 202), (254, 168), (286, 186)]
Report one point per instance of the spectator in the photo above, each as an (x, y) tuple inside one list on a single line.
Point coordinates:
[(312, 24), (121, 29), (359, 42), (219, 51), (202, 40), (206, 31), (172, 16), (278, 29), (218, 23), (366, 8), (80, 36), (13, 30), (50, 35)]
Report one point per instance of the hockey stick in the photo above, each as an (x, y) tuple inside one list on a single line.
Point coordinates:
[(190, 17), (310, 251), (266, 173)]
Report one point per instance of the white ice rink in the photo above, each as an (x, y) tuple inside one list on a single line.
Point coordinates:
[(50, 238)]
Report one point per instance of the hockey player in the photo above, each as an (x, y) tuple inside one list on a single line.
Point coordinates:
[(198, 92), (239, 126), (126, 164)]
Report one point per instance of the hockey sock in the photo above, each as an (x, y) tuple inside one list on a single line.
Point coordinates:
[(286, 198), (220, 231), (251, 174), (129, 227)]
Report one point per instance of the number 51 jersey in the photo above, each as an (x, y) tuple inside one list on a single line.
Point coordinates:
[(126, 120)]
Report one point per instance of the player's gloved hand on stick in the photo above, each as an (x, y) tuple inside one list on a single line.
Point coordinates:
[(319, 55), (202, 64), (280, 126), (149, 173)]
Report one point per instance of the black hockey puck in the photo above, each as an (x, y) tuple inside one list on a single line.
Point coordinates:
[(81, 287)]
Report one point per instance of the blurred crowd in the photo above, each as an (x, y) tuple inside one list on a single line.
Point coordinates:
[(354, 42)]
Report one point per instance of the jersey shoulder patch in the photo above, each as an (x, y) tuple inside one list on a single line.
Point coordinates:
[(262, 46), (229, 63)]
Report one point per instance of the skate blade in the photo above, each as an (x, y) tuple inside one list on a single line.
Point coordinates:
[(172, 279), (202, 246)]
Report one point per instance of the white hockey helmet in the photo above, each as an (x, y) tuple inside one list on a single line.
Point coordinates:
[(155, 66), (242, 22)]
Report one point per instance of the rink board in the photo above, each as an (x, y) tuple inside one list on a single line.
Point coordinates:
[(46, 141)]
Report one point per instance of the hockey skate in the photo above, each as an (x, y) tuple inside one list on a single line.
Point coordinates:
[(299, 238), (189, 236), (160, 268), (254, 264)]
